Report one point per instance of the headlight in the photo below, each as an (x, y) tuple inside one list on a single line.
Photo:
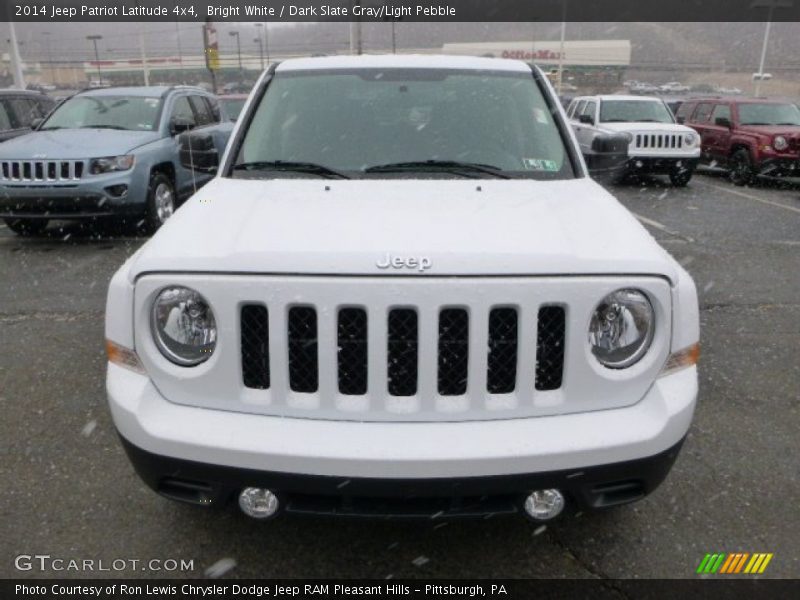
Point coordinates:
[(689, 139), (183, 326), (111, 163), (779, 143), (621, 328), (628, 136)]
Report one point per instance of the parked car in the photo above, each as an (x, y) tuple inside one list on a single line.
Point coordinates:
[(233, 104), (237, 87), (748, 136), (19, 109), (656, 143), (103, 153), (400, 289), (674, 87), (641, 87), (673, 102)]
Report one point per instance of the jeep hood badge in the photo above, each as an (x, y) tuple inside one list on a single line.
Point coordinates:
[(420, 263)]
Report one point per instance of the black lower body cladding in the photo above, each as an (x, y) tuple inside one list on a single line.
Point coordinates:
[(589, 488)]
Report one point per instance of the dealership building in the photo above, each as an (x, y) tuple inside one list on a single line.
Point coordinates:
[(592, 63)]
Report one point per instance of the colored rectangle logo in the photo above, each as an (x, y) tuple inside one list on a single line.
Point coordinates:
[(734, 563)]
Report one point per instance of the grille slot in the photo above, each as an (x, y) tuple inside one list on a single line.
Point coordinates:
[(453, 351), (501, 376), (550, 348), (352, 353), (403, 352), (255, 346), (303, 344)]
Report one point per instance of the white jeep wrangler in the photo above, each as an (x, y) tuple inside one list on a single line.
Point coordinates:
[(657, 144), (402, 295)]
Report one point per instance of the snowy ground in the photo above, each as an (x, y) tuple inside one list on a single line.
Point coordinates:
[(66, 488)]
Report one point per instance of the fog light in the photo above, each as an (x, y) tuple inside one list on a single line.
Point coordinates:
[(543, 505), (258, 503)]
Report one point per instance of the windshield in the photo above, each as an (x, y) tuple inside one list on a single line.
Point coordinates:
[(389, 121), (769, 114), (233, 106), (135, 113), (634, 111)]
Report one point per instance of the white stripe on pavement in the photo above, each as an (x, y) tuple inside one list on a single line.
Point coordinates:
[(749, 196), (661, 227)]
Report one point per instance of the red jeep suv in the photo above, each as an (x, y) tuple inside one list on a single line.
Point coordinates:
[(749, 136)]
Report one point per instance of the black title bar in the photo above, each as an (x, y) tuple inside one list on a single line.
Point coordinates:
[(408, 589), (405, 10)]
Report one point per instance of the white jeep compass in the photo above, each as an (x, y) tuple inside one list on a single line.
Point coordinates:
[(401, 295)]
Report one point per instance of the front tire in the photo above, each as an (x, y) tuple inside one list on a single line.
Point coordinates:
[(741, 168), (26, 227), (680, 177), (161, 201)]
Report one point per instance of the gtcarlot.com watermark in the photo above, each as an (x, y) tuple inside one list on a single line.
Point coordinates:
[(47, 563)]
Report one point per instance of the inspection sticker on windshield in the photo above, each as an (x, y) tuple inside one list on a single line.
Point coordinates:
[(539, 164)]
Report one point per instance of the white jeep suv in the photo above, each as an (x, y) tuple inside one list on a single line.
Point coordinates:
[(402, 295), (657, 144)]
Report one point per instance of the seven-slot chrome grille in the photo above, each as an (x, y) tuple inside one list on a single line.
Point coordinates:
[(658, 141), (44, 171), (402, 350)]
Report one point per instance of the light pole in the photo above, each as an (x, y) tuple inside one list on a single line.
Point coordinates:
[(260, 50), (46, 35), (771, 5), (16, 61), (260, 43), (238, 50), (561, 48), (94, 39)]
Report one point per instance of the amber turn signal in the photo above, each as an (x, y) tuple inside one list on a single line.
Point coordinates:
[(124, 357), (682, 359)]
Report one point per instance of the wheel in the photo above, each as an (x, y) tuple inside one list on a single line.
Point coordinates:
[(681, 176), (161, 202), (741, 168), (26, 227)]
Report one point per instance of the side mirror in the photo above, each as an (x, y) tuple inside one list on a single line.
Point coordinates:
[(178, 125), (608, 157), (197, 152), (680, 120), (36, 122), (722, 122), (587, 119)]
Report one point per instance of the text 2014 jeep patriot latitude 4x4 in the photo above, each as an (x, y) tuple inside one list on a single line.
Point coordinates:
[(401, 294)]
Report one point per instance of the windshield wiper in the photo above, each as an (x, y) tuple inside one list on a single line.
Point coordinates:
[(791, 124), (51, 128), (103, 127), (288, 165), (756, 123), (452, 166)]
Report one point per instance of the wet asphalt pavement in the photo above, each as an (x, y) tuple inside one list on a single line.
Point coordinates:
[(67, 489)]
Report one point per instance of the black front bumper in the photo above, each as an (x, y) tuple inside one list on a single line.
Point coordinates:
[(780, 167), (660, 166), (588, 488)]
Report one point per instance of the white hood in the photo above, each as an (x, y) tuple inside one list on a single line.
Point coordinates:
[(345, 227), (648, 127)]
